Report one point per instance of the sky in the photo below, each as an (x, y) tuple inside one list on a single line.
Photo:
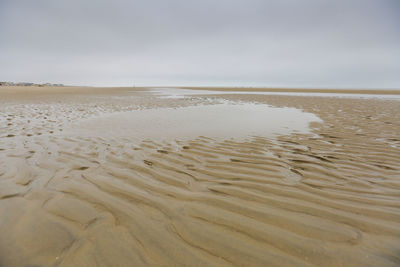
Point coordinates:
[(260, 43)]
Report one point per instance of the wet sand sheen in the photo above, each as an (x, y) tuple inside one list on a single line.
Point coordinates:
[(329, 197), (226, 120)]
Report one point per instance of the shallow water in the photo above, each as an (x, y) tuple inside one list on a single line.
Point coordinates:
[(181, 93), (326, 199), (231, 119)]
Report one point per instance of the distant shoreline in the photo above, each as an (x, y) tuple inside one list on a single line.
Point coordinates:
[(300, 90), (75, 89), (31, 84)]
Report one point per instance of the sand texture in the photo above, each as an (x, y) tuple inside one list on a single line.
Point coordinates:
[(330, 197)]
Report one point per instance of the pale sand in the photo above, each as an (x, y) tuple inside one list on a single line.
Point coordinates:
[(327, 198), (303, 90)]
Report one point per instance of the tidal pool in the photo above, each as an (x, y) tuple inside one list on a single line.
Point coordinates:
[(182, 93), (227, 120)]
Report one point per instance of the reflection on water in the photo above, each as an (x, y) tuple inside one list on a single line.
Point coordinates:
[(181, 93), (222, 120)]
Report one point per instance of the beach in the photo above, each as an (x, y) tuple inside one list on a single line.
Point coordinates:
[(131, 177)]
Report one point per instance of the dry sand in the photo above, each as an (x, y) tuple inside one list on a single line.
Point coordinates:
[(330, 197)]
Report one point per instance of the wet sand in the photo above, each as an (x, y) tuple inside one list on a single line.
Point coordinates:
[(301, 90), (326, 197)]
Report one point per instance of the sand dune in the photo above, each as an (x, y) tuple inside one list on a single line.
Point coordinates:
[(329, 197)]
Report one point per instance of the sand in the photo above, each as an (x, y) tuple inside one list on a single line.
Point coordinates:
[(302, 90), (327, 197)]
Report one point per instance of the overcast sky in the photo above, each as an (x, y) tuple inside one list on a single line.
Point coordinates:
[(273, 43)]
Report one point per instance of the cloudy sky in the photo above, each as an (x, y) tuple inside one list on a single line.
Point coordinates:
[(272, 43)]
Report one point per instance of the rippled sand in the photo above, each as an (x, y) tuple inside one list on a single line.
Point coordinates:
[(330, 197)]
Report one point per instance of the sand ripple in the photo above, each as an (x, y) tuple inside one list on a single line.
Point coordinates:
[(329, 199)]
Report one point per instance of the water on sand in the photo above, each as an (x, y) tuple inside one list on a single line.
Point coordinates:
[(228, 120), (326, 195)]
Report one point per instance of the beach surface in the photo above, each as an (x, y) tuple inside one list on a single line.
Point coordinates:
[(154, 177)]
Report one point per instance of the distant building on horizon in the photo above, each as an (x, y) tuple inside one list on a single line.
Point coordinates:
[(28, 84)]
